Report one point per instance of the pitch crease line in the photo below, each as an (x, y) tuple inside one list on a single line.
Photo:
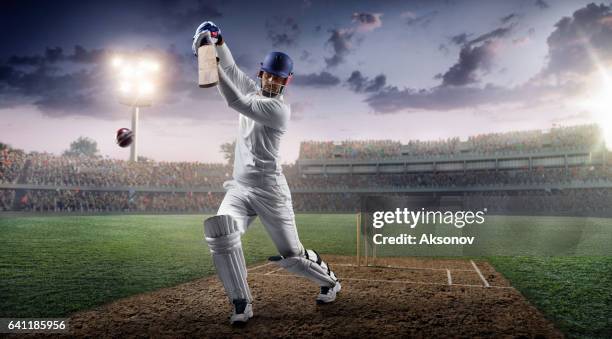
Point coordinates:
[(404, 267), (450, 278), (260, 266), (273, 271), (486, 283), (388, 281)]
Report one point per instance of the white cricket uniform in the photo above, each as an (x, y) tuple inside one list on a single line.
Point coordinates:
[(259, 187)]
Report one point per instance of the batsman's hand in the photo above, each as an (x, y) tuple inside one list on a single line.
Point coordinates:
[(207, 29)]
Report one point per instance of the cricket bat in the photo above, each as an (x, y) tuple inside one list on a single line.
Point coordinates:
[(208, 76)]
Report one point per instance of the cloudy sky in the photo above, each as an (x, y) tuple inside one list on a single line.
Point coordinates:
[(397, 70)]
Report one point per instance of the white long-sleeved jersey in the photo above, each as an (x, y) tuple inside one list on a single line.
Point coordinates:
[(261, 124)]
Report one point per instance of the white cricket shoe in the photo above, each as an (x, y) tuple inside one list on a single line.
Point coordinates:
[(328, 294), (243, 311)]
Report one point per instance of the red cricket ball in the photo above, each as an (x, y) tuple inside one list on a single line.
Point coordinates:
[(125, 137)]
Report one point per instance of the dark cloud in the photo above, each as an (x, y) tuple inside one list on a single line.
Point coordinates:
[(82, 82), (541, 4), (282, 32), (412, 19), (82, 55), (323, 79), (367, 21), (460, 39), (57, 103), (588, 30), (171, 17), (471, 59), (51, 83), (53, 92), (340, 40), (475, 55), (361, 84), (494, 34), (508, 18), (25, 60), (56, 54), (578, 39), (392, 99)]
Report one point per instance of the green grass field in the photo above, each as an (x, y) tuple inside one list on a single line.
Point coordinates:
[(53, 266)]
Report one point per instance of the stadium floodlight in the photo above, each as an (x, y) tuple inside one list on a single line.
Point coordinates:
[(125, 87), (117, 61), (607, 109), (597, 102), (601, 106), (146, 88), (137, 84)]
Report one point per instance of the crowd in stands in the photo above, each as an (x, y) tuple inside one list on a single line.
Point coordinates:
[(350, 149), (536, 176), (119, 184), (421, 148), (11, 165), (47, 169), (316, 193), (118, 201), (73, 201), (575, 202), (509, 141), (572, 136), (490, 143)]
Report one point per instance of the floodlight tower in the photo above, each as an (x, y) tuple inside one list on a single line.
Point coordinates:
[(136, 88)]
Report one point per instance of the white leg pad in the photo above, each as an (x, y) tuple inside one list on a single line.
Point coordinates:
[(309, 266), (223, 237)]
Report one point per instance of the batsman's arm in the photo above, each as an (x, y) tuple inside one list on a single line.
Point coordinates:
[(237, 76), (267, 111)]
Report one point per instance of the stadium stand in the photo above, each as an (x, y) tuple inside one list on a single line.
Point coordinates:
[(564, 168)]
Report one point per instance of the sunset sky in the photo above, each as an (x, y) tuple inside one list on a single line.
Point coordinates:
[(396, 70)]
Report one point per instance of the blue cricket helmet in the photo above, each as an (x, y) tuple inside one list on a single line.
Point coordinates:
[(278, 63), (207, 26)]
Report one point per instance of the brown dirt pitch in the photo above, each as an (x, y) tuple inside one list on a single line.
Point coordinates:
[(407, 297)]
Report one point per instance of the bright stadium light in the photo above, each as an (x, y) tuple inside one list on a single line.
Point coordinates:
[(148, 65), (125, 87), (145, 89), (116, 61), (127, 71), (137, 83), (601, 106), (598, 102)]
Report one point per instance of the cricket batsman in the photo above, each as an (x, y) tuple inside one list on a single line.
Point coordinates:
[(258, 187)]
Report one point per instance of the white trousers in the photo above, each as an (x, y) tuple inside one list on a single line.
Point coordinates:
[(271, 201)]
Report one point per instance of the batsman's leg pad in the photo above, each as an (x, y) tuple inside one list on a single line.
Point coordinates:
[(223, 236), (309, 265)]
